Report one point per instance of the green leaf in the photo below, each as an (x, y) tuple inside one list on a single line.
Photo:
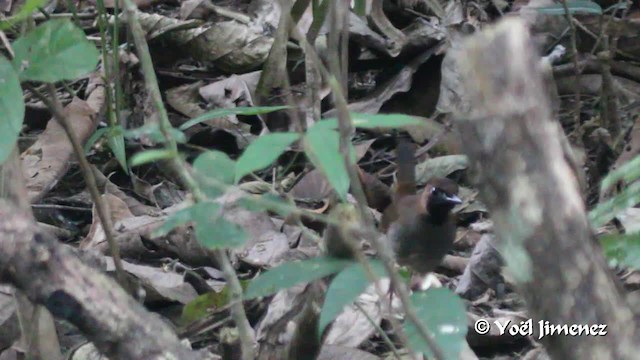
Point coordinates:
[(628, 172), (443, 313), (29, 7), (213, 231), (267, 202), (56, 50), (218, 113), (360, 8), (93, 139), (201, 306), (262, 152), (214, 169), (152, 131), (116, 144), (294, 273), (372, 121), (322, 148), (178, 218), (115, 140), (151, 156), (604, 212), (622, 249), (574, 7), (11, 108), (344, 289)]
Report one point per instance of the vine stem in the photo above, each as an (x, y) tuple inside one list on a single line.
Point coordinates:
[(345, 128), (247, 338)]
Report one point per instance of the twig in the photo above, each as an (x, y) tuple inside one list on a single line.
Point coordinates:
[(345, 127), (60, 207), (55, 107), (608, 103), (180, 167), (380, 331), (574, 49)]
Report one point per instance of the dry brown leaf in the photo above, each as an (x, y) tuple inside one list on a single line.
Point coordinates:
[(400, 83), (232, 46), (352, 327), (159, 284), (141, 4), (48, 159), (378, 194), (362, 148), (632, 149), (312, 186), (185, 99), (118, 210), (333, 352)]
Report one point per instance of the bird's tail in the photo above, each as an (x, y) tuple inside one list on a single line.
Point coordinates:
[(406, 169)]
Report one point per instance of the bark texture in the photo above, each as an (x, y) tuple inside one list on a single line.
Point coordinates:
[(528, 182), (50, 274)]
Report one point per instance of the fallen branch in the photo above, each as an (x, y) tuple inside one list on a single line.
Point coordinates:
[(50, 274)]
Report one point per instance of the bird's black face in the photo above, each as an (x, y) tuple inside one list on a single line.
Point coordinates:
[(440, 202)]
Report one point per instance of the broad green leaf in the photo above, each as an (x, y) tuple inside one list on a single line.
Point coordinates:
[(262, 152), (443, 313), (604, 212), (11, 108), (56, 50), (151, 156), (25, 11), (181, 217), (574, 7), (294, 273), (322, 148), (213, 231), (623, 249), (372, 121), (344, 289), (214, 169), (440, 166), (628, 172), (218, 113)]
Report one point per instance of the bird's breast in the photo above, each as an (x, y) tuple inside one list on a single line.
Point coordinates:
[(421, 244)]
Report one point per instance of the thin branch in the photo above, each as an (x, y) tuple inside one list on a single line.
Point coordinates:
[(346, 129), (180, 168), (574, 50), (55, 107)]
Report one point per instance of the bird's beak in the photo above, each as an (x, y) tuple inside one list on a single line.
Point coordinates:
[(453, 199)]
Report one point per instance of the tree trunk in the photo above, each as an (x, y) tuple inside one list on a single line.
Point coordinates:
[(528, 182)]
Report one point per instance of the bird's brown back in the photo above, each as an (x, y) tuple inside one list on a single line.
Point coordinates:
[(418, 239)]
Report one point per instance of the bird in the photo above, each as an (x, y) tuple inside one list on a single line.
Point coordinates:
[(420, 226)]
